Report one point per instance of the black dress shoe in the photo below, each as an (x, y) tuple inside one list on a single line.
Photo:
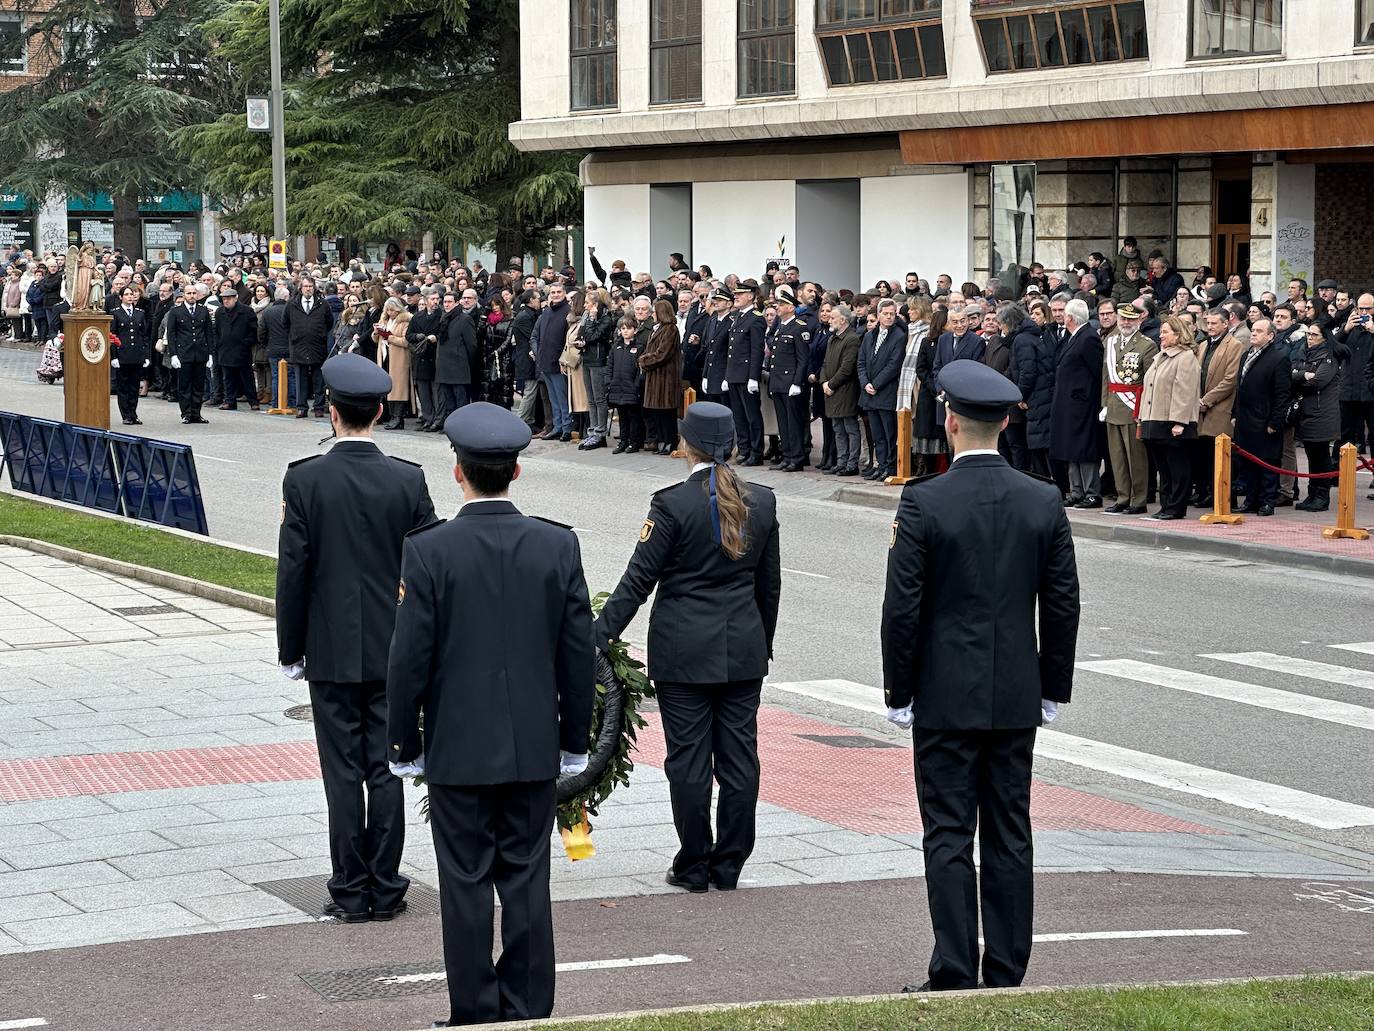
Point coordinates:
[(1266, 510), (302, 414), (1090, 501), (1284, 502), (1135, 510), (913, 989), (620, 448), (792, 467), (632, 449), (753, 461), (345, 916), (186, 420), (849, 470), (390, 914), (1118, 509), (673, 879), (566, 438), (201, 420)]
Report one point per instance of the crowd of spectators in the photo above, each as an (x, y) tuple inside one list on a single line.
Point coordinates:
[(1128, 371)]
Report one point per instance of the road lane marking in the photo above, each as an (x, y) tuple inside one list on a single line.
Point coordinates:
[(1269, 698), (1294, 667), (212, 458), (803, 572), (1171, 774), (7, 1025), (659, 960), (1360, 647), (1096, 936)]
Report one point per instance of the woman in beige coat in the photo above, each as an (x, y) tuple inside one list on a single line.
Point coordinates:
[(393, 354), (1169, 414)]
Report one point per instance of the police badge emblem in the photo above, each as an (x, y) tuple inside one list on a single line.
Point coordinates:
[(646, 531)]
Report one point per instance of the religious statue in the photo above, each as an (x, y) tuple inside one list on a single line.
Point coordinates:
[(85, 289)]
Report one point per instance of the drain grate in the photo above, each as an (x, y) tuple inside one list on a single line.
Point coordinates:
[(300, 712), (146, 610), (389, 982), (311, 894), (847, 741)]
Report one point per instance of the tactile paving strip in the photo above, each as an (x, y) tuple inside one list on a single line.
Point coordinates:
[(311, 894), (847, 741), (395, 981)]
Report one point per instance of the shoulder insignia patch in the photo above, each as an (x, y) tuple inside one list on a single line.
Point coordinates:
[(646, 531), (402, 594), (806, 336), (891, 544), (301, 461), (427, 526), (552, 522)]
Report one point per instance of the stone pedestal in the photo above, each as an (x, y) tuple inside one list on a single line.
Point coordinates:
[(86, 368)]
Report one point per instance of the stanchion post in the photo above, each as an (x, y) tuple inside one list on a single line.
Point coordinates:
[(1221, 486), (689, 398), (1345, 527), (282, 388), (903, 450)]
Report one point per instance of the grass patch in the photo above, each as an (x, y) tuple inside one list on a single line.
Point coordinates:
[(1308, 1004), (130, 541)]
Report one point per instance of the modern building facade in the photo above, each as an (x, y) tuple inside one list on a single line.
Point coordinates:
[(861, 139)]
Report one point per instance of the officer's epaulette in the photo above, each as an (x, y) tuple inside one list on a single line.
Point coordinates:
[(427, 526), (1041, 478), (300, 461), (921, 479), (407, 461), (552, 522)]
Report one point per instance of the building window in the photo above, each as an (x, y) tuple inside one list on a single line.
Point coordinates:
[(593, 54), (880, 40), (1060, 34), (1222, 28), (675, 52), (767, 47), (13, 47), (1364, 23)]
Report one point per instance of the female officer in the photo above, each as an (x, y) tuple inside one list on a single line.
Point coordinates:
[(710, 545)]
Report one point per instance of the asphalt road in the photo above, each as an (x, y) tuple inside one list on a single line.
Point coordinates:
[(822, 940), (1153, 606)]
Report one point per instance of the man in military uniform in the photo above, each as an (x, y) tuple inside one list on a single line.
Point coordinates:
[(787, 368), (494, 653), (1127, 354), (716, 349), (190, 346), (344, 516), (743, 368), (971, 555)]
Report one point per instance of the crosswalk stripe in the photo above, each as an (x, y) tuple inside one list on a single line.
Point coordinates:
[(1360, 647), (1295, 667), (1235, 691), (1241, 792)]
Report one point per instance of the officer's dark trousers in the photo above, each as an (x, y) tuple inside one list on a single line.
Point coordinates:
[(127, 380), (191, 389), (967, 780), (366, 834), (712, 730), (496, 835), (748, 421), (791, 428)]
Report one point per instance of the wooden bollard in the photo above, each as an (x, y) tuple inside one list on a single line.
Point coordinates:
[(903, 450), (283, 392), (1345, 500), (1221, 486), (689, 398)]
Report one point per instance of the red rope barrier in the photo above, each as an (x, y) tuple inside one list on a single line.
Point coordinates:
[(1365, 463)]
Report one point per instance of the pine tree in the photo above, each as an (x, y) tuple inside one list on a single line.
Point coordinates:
[(116, 79), (396, 116)]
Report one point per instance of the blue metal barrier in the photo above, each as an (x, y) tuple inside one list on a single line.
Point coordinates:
[(151, 480)]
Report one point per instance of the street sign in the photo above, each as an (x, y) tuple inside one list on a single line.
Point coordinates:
[(276, 254), (259, 115)]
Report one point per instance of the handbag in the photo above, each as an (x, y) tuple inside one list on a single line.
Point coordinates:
[(572, 355)]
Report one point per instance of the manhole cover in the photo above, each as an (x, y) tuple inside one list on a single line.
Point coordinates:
[(311, 894), (147, 610), (848, 741), (300, 712), (388, 982)]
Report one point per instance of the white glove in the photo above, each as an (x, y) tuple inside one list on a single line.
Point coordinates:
[(724, 386), (902, 717), (1048, 711), (414, 768), (176, 362), (793, 390), (114, 363), (570, 763), (147, 362), (210, 362), (295, 671), (1102, 415), (753, 386)]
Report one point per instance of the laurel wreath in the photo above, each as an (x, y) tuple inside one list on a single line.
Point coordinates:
[(621, 689)]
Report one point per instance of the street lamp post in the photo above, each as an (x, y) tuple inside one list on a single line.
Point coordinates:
[(278, 128)]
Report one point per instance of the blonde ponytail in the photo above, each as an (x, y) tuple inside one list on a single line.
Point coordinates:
[(734, 513)]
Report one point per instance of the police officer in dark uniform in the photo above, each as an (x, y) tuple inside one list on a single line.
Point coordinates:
[(494, 651), (190, 345), (788, 365), (131, 356), (743, 370), (715, 351), (710, 546), (971, 555), (344, 516)]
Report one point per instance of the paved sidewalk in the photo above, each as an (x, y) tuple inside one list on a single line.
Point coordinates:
[(151, 779)]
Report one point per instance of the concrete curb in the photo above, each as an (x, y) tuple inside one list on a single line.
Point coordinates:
[(1211, 544), (145, 574), (914, 999)]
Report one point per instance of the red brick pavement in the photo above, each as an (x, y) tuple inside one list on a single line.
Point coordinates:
[(873, 790)]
